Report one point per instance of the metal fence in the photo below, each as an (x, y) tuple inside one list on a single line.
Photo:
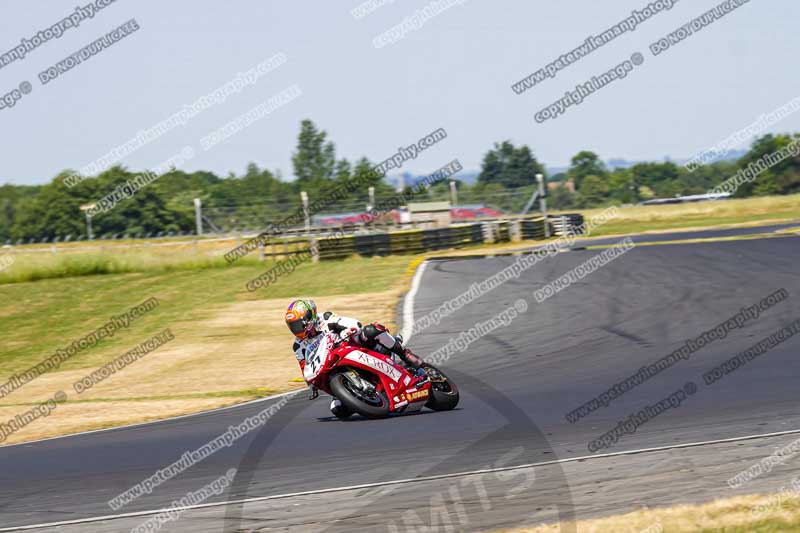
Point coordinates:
[(378, 239)]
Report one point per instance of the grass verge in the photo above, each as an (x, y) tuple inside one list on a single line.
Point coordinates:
[(230, 345), (744, 514), (701, 215)]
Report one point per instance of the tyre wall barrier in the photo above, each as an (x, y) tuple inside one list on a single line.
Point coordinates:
[(417, 241)]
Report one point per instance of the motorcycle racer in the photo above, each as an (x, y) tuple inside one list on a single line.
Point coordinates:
[(302, 320)]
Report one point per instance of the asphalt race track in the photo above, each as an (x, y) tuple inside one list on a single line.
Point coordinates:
[(688, 235), (517, 383)]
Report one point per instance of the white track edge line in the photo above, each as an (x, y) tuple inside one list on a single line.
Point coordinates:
[(406, 481), (408, 303)]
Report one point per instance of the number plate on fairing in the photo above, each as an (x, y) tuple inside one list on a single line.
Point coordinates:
[(319, 351)]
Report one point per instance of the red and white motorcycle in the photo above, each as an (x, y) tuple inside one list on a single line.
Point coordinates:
[(372, 384)]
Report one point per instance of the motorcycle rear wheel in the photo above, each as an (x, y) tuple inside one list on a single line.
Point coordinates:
[(375, 405)]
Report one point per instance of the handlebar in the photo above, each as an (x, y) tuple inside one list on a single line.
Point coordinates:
[(338, 343)]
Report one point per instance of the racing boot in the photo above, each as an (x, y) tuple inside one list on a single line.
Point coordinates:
[(339, 410), (410, 360)]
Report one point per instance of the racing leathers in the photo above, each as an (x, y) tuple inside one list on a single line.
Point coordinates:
[(373, 336), (328, 322)]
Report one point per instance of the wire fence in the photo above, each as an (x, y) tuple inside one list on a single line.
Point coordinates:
[(255, 216)]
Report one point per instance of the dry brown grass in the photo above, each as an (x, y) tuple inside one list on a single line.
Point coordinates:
[(732, 515), (241, 353)]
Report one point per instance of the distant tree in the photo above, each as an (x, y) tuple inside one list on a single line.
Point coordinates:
[(146, 211), (622, 187), (363, 177), (594, 191), (14, 200), (363, 172), (782, 178), (509, 166), (483, 193), (342, 170), (54, 212), (585, 164), (560, 198), (179, 189), (654, 173), (646, 193), (315, 159)]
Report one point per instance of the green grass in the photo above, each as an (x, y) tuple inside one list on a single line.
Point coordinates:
[(617, 228), (637, 219), (35, 267), (38, 317)]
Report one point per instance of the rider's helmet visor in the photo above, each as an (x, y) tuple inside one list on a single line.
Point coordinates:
[(298, 326)]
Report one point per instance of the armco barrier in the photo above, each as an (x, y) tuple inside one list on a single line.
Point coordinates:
[(503, 231), (404, 242), (462, 236), (376, 244), (562, 224), (436, 239), (336, 247), (532, 229), (400, 242), (419, 241), (476, 233)]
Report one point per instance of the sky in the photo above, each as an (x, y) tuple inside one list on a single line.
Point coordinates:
[(453, 71)]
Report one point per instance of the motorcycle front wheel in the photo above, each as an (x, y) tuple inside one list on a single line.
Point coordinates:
[(370, 403)]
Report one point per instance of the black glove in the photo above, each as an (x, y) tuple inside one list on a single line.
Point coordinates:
[(336, 328)]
